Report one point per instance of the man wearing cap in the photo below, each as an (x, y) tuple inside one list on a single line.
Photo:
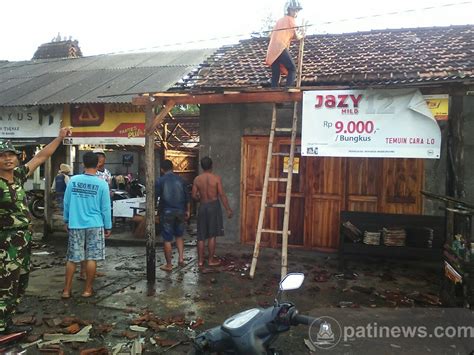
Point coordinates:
[(15, 238), (60, 183)]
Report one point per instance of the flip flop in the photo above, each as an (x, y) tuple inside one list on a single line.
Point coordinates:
[(181, 264), (66, 295), (166, 268), (86, 294)]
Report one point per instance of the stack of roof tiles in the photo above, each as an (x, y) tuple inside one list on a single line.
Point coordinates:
[(376, 57)]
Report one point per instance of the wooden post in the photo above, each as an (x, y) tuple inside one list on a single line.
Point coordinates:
[(150, 199), (455, 174), (48, 220)]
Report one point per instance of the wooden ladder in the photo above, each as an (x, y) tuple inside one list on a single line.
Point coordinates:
[(288, 180)]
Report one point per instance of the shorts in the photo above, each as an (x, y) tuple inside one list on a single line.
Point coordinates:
[(172, 224), (86, 244), (209, 221)]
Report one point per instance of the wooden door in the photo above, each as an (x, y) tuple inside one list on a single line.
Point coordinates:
[(363, 184), (321, 189), (254, 155), (402, 181), (324, 195)]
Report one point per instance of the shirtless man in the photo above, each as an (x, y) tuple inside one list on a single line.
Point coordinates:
[(207, 189)]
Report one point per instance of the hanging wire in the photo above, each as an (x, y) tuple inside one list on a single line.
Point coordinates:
[(249, 35)]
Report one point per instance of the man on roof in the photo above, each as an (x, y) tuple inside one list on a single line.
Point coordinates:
[(278, 55)]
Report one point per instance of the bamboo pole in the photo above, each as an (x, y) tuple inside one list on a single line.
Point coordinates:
[(286, 217), (264, 195)]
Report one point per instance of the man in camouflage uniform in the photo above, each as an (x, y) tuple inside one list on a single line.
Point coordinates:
[(15, 237)]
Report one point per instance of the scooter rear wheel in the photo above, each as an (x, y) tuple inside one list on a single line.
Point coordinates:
[(36, 207)]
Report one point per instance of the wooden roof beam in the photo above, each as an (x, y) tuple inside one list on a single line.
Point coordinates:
[(161, 116), (230, 98)]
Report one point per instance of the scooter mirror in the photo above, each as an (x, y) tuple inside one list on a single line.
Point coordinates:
[(292, 281)]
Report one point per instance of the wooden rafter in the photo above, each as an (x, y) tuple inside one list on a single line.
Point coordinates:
[(160, 117)]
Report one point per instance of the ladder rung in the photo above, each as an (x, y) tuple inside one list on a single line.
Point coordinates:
[(274, 231), (284, 129), (278, 179), (276, 205), (281, 154)]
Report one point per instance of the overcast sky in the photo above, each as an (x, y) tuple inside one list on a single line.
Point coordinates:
[(106, 26)]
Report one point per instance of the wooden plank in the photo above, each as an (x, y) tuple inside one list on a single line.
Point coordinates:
[(159, 118)]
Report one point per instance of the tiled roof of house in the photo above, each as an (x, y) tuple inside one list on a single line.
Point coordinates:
[(376, 57), (59, 49)]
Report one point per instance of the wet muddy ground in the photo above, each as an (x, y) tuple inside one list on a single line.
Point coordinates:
[(187, 300)]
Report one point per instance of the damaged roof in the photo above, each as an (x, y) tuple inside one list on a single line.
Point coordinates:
[(94, 79), (400, 56)]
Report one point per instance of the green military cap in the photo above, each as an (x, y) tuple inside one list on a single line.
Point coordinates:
[(7, 146)]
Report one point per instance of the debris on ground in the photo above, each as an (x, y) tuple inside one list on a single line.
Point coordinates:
[(348, 304), (321, 275), (137, 328), (94, 351), (309, 344), (366, 290), (346, 276)]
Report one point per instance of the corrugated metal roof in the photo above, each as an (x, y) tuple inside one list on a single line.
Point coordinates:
[(105, 78)]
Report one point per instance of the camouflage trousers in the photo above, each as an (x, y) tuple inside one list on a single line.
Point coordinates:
[(15, 251)]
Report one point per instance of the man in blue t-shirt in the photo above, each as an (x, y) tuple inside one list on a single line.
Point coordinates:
[(87, 215), (174, 209)]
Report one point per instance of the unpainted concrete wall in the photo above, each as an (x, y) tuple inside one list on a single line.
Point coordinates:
[(221, 128)]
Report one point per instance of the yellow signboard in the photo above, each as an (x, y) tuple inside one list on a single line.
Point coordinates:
[(105, 124), (438, 105)]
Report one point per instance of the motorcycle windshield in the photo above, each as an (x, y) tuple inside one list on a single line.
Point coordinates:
[(241, 319)]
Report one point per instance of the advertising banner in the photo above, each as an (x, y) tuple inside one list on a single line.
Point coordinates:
[(106, 124), (438, 105), (391, 123), (30, 122)]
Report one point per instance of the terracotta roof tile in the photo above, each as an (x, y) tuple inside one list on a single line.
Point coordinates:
[(379, 56)]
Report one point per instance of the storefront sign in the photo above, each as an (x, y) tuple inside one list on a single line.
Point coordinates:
[(106, 124), (392, 123), (30, 122), (438, 105)]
